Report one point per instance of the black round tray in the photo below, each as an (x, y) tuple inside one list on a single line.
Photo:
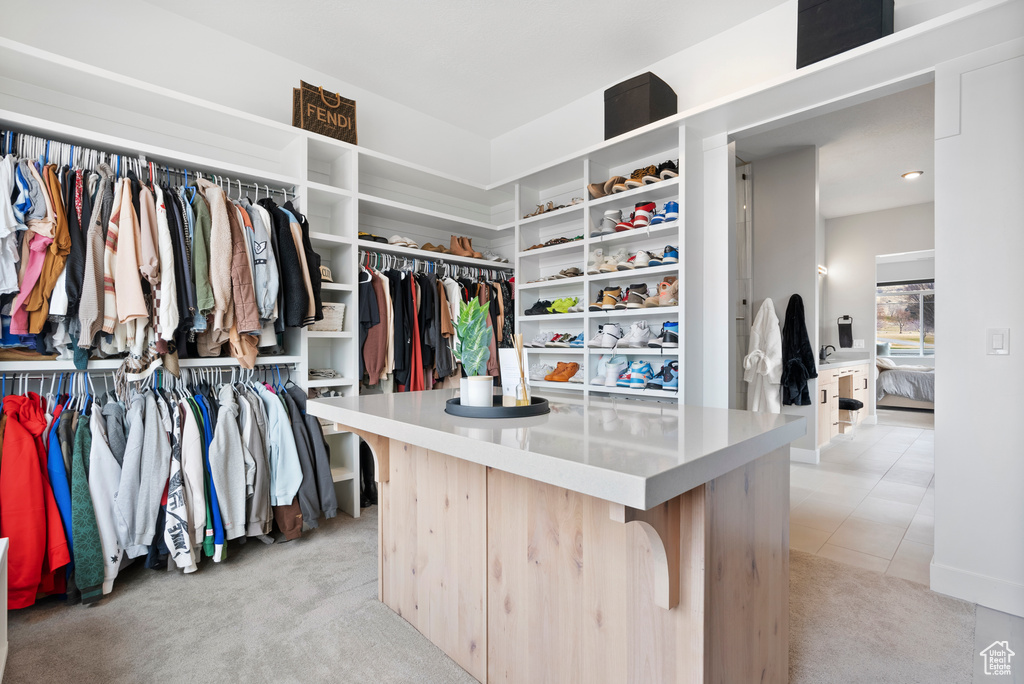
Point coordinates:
[(538, 407)]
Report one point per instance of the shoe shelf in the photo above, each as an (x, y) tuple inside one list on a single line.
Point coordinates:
[(551, 317), (400, 212), (553, 350), (629, 391), (551, 218), (328, 335), (542, 384), (635, 351), (668, 229), (553, 249), (330, 382), (671, 311), (655, 192), (541, 284), (636, 273), (431, 256), (328, 240), (336, 287), (325, 191), (341, 474)]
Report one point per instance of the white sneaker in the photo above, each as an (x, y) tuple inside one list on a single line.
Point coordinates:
[(491, 256), (639, 260), (578, 376), (607, 337), (596, 259), (639, 335), (539, 340), (613, 368), (611, 263), (601, 369), (610, 220), (539, 370)]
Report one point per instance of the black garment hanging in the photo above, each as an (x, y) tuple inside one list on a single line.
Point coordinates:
[(293, 285), (369, 315), (401, 299), (798, 364), (312, 262), (76, 257)]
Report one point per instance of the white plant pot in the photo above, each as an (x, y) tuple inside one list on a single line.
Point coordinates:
[(477, 390)]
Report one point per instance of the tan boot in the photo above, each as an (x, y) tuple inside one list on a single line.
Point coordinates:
[(457, 249), (467, 244)]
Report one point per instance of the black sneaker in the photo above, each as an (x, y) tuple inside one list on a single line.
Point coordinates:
[(668, 169), (539, 308)]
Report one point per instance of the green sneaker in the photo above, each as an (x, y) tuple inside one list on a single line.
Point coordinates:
[(562, 305)]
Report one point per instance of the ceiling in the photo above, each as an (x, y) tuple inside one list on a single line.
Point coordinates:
[(862, 152), (486, 66)]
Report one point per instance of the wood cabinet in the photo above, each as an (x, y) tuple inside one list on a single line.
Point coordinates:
[(846, 381)]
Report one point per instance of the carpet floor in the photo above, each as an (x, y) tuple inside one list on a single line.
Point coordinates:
[(307, 611)]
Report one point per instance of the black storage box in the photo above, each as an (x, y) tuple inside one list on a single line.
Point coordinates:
[(828, 27), (636, 102)]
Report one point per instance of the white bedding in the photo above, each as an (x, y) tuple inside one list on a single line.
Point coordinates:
[(912, 382)]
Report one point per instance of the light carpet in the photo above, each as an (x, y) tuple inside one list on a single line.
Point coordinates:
[(307, 611)]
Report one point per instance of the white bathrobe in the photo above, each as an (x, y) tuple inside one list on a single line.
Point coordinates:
[(762, 366)]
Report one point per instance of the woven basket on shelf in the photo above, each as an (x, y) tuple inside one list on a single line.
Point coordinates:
[(334, 318)]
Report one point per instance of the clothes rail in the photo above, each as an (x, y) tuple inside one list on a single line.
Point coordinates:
[(80, 156), (383, 260)]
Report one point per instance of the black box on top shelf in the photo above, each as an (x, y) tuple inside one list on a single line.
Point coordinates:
[(636, 102), (829, 27)]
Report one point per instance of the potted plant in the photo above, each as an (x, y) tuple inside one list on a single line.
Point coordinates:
[(472, 351)]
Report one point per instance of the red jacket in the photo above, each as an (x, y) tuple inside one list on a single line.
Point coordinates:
[(28, 512)]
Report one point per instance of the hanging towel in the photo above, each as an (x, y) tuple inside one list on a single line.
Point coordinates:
[(762, 366), (798, 365)]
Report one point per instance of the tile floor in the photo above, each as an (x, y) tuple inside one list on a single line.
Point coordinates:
[(870, 502)]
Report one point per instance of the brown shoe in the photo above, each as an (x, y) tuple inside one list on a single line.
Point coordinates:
[(457, 249), (433, 248), (550, 377), (609, 187), (564, 372), (597, 190), (467, 244)]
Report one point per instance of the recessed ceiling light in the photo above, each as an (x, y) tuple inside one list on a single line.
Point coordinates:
[(911, 175)]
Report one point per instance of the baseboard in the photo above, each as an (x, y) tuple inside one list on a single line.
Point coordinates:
[(870, 420), (991, 592), (804, 455)]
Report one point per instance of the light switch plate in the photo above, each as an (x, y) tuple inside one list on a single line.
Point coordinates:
[(858, 344), (998, 341)]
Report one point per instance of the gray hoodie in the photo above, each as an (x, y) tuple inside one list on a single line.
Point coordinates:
[(254, 434), (227, 464), (154, 469), (128, 487)]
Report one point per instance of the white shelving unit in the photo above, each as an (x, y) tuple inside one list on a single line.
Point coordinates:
[(560, 184)]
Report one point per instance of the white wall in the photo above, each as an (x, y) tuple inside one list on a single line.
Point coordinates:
[(753, 52), (898, 271), (979, 241), (851, 245), (141, 40), (785, 229)]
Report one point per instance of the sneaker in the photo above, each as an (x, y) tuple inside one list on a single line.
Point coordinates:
[(638, 337), (598, 301), (578, 376), (611, 263), (669, 337), (539, 371), (607, 227), (601, 369), (623, 226), (667, 378), (540, 308), (656, 299), (562, 304), (621, 304), (558, 369), (637, 296), (596, 190), (622, 380), (576, 342), (596, 259), (659, 217), (670, 255), (563, 374), (655, 258), (671, 211), (668, 169), (651, 175), (491, 256), (639, 373), (642, 214), (607, 337), (641, 259), (539, 340), (559, 340), (610, 298), (615, 366), (636, 179)]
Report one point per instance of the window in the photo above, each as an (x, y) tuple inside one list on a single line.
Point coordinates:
[(905, 318)]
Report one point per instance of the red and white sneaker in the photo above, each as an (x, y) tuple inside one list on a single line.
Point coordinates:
[(643, 213), (622, 226)]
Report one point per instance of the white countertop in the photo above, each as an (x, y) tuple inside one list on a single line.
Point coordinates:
[(842, 363), (633, 452)]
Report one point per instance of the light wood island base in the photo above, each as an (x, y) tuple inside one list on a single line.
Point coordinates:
[(521, 581)]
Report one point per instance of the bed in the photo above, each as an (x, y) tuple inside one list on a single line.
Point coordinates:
[(904, 386)]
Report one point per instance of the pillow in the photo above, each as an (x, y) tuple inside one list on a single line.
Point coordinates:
[(884, 363)]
